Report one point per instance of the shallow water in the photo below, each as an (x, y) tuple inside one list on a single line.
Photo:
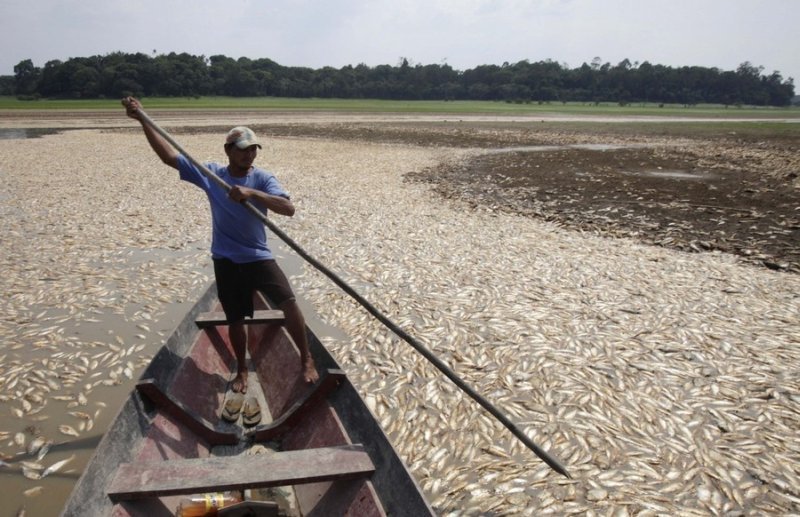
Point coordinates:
[(543, 148), (557, 328), (23, 133), (57, 487), (672, 174), (680, 175), (91, 301)]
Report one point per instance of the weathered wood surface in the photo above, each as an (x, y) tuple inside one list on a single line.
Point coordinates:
[(211, 319), (300, 409), (221, 473), (188, 375), (177, 410)]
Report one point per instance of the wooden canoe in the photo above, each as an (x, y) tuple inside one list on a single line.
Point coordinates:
[(320, 444)]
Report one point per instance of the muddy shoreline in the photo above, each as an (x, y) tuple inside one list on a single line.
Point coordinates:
[(664, 184), (658, 377), (724, 193)]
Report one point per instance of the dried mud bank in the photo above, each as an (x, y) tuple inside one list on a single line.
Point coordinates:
[(665, 381), (727, 193)]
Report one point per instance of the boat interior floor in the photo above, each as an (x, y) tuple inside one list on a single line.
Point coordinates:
[(286, 504), (254, 391)]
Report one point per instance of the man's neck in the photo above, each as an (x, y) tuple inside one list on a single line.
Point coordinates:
[(238, 172)]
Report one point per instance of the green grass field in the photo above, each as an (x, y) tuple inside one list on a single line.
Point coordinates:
[(382, 106), (750, 121)]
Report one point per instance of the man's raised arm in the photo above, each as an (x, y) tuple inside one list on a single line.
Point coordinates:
[(161, 147)]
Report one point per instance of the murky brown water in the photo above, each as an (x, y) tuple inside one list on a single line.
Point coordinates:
[(573, 342), (70, 322), (56, 488)]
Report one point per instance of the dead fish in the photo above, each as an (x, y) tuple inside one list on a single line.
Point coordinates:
[(31, 473), (55, 467), (495, 451), (32, 492), (33, 465), (44, 449), (35, 445), (68, 430)]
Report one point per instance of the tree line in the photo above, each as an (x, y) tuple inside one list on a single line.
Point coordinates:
[(184, 75)]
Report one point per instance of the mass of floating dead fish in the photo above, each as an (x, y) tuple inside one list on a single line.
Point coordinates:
[(89, 269), (665, 382)]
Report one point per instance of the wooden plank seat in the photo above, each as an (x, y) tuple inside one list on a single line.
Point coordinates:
[(297, 411), (223, 473), (265, 432), (213, 319), (177, 410)]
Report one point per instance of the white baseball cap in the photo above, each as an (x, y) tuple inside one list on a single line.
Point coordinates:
[(243, 137)]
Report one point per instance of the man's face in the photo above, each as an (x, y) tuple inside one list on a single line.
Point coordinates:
[(242, 158)]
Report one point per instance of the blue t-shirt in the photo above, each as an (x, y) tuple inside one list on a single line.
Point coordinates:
[(236, 234)]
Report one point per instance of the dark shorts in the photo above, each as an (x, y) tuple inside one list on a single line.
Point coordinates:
[(236, 284)]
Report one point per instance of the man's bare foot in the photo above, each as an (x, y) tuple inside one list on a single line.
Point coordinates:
[(239, 383), (310, 374)]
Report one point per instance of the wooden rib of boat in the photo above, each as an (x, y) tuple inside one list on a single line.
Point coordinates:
[(319, 445)]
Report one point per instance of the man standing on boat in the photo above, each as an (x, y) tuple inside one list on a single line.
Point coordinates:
[(242, 260)]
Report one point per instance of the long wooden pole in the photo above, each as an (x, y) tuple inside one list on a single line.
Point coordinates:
[(427, 354)]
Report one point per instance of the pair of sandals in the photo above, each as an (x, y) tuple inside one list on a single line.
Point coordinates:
[(236, 404)]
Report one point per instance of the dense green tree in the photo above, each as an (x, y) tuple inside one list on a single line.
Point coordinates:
[(7, 85), (26, 77), (183, 74)]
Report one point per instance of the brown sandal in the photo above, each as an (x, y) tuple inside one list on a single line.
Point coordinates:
[(251, 414), (232, 407)]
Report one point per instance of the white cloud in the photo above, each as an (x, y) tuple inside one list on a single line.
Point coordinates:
[(464, 33)]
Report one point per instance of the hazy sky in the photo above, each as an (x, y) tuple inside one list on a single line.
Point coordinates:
[(462, 33)]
